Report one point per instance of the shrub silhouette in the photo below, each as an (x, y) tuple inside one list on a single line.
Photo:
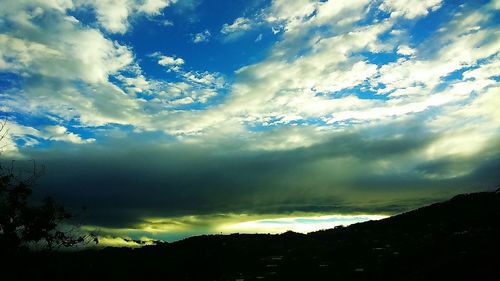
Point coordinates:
[(24, 225)]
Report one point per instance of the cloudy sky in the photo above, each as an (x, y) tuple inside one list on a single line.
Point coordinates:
[(168, 118)]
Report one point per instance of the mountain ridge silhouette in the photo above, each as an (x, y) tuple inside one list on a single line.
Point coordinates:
[(457, 239)]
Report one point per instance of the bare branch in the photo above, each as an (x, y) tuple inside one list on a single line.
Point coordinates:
[(3, 134)]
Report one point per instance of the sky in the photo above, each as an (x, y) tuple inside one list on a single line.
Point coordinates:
[(170, 118)]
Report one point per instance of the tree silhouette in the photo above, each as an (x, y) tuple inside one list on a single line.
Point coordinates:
[(25, 225)]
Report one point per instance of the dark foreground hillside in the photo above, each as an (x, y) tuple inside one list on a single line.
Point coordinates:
[(454, 240)]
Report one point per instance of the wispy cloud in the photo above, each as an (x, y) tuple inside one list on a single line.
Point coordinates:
[(113, 15), (239, 24), (203, 36)]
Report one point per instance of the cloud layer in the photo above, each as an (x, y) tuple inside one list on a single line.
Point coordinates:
[(352, 106)]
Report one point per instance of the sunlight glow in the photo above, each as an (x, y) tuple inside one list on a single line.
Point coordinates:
[(296, 224)]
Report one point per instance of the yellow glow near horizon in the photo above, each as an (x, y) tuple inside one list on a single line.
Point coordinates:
[(172, 229), (296, 224), (105, 241)]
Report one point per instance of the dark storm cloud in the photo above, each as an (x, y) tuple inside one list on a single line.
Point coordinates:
[(370, 171)]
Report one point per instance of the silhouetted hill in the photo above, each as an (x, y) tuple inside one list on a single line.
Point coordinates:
[(458, 239)]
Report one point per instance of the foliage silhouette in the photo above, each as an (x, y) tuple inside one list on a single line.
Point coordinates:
[(24, 225)]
